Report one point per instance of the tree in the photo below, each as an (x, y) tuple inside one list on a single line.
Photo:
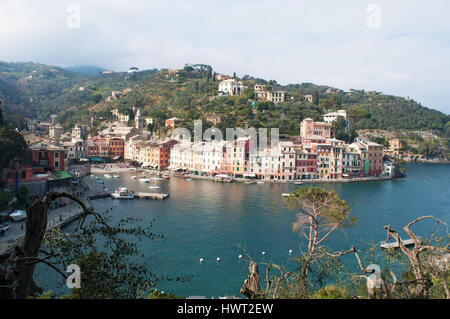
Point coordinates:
[(12, 144), (108, 272), (22, 195), (428, 262), (96, 97), (320, 213), (355, 114), (315, 97)]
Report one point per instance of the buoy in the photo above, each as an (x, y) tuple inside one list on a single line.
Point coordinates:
[(201, 260), (263, 253), (218, 259), (240, 256)]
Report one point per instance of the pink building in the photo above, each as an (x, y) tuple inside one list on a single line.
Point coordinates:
[(311, 129)]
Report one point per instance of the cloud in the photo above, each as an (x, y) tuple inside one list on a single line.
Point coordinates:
[(291, 41)]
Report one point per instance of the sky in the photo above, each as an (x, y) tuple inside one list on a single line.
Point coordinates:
[(395, 47)]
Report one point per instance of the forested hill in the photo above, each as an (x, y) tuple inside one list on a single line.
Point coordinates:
[(37, 90)]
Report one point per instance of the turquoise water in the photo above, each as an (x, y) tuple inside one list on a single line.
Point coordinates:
[(203, 219)]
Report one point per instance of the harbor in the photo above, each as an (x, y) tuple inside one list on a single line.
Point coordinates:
[(210, 220)]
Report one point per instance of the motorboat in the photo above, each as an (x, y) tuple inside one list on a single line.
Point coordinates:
[(189, 179), (165, 177), (298, 182), (123, 193), (249, 182), (18, 215), (154, 187), (223, 178), (156, 178), (116, 176), (260, 182), (285, 194), (144, 180), (133, 177), (107, 176), (100, 181)]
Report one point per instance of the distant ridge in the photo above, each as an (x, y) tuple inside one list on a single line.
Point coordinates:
[(86, 69)]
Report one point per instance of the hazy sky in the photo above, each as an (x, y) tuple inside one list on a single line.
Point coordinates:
[(324, 42)]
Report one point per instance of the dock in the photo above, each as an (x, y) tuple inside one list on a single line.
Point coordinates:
[(151, 195), (97, 196)]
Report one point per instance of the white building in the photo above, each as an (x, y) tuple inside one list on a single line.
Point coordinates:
[(231, 87), (181, 156), (130, 150), (333, 116)]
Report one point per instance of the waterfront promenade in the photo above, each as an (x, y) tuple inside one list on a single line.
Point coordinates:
[(305, 181)]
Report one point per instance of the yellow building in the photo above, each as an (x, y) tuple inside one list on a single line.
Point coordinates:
[(262, 94), (119, 117), (394, 147)]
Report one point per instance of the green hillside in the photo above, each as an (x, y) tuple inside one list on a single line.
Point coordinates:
[(37, 90)]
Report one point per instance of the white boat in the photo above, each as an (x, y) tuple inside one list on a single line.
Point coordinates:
[(116, 176), (154, 187), (223, 178), (285, 194), (189, 179), (133, 177), (298, 182), (406, 242), (157, 178), (100, 181), (107, 176), (18, 215), (249, 182), (123, 193), (144, 180), (259, 182)]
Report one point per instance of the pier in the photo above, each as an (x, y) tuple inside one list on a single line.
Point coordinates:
[(137, 195), (151, 195)]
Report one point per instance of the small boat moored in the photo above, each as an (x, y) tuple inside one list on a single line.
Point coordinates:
[(107, 176), (116, 176), (223, 178), (285, 194), (123, 193), (18, 215), (392, 245)]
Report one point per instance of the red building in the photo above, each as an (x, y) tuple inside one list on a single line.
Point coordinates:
[(116, 147), (306, 164), (172, 123), (48, 156)]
